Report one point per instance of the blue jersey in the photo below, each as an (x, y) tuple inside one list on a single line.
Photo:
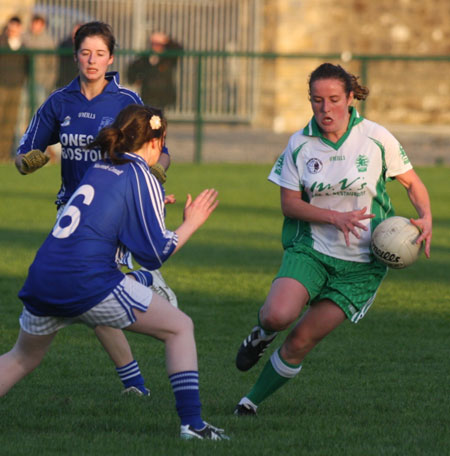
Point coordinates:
[(69, 118), (75, 268)]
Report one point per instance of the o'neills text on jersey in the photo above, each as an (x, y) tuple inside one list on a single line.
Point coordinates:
[(87, 115)]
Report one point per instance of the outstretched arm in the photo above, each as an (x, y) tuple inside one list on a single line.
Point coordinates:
[(195, 214)]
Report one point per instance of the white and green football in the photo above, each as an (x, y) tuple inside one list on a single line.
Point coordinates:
[(394, 242)]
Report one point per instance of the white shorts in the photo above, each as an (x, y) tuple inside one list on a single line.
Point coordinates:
[(116, 310)]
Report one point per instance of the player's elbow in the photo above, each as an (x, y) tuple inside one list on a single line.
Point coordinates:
[(287, 209)]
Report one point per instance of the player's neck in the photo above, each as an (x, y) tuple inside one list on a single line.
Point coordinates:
[(90, 89)]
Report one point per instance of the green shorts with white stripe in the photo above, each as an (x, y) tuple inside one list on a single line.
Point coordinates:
[(350, 285)]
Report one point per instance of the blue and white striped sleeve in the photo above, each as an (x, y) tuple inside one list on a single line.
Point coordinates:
[(145, 233)]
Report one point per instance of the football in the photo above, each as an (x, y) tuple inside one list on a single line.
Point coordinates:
[(394, 242)]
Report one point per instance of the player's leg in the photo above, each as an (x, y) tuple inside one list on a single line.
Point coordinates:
[(116, 345), (24, 357), (176, 330), (171, 326), (318, 321), (285, 363), (152, 279), (156, 282), (283, 305)]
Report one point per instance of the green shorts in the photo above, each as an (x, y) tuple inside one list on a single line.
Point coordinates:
[(350, 285)]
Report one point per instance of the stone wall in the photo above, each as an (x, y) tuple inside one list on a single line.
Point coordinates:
[(9, 8), (408, 92)]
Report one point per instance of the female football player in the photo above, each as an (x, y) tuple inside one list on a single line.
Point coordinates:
[(332, 177), (73, 116), (74, 277)]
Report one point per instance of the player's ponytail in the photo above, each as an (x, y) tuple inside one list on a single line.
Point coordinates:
[(134, 126)]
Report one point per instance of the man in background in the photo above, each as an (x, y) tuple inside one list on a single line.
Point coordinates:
[(13, 73), (154, 76), (45, 65)]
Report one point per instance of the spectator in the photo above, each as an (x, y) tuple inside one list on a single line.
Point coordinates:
[(13, 71), (155, 75), (45, 66), (68, 68)]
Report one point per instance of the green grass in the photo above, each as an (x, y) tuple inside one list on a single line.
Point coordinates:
[(377, 388)]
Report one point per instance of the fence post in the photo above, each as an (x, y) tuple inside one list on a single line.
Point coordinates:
[(32, 85), (198, 113), (364, 64)]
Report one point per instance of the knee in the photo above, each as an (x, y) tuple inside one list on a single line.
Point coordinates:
[(276, 319), (185, 323), (300, 343)]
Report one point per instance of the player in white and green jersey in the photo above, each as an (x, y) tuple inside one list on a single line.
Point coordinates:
[(343, 176), (332, 178)]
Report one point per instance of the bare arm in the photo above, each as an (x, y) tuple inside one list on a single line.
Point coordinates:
[(418, 195), (294, 207)]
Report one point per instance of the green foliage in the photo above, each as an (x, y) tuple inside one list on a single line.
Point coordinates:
[(376, 388)]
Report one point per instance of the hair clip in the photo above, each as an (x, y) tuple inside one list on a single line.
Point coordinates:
[(155, 122)]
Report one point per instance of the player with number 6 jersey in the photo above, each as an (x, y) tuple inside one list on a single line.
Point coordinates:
[(75, 268), (74, 277)]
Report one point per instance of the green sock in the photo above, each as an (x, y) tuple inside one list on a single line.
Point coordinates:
[(275, 374)]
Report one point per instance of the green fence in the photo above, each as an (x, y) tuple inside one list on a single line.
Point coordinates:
[(412, 72)]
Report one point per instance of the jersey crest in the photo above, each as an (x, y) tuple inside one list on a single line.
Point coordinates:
[(105, 122), (314, 165), (362, 163)]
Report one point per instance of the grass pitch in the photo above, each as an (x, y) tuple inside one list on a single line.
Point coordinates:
[(378, 388)]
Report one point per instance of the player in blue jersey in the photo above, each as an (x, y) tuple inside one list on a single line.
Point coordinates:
[(332, 178), (73, 116), (74, 276)]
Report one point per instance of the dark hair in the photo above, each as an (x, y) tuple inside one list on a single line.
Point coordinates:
[(39, 17), (330, 71), (95, 28), (15, 19), (129, 132)]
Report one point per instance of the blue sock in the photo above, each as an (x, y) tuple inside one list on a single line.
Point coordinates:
[(142, 276), (187, 398), (130, 374)]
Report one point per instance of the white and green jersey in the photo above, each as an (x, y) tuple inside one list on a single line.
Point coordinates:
[(343, 176)]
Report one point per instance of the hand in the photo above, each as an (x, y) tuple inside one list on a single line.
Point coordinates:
[(31, 161), (349, 222), (170, 199), (424, 226), (197, 212)]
